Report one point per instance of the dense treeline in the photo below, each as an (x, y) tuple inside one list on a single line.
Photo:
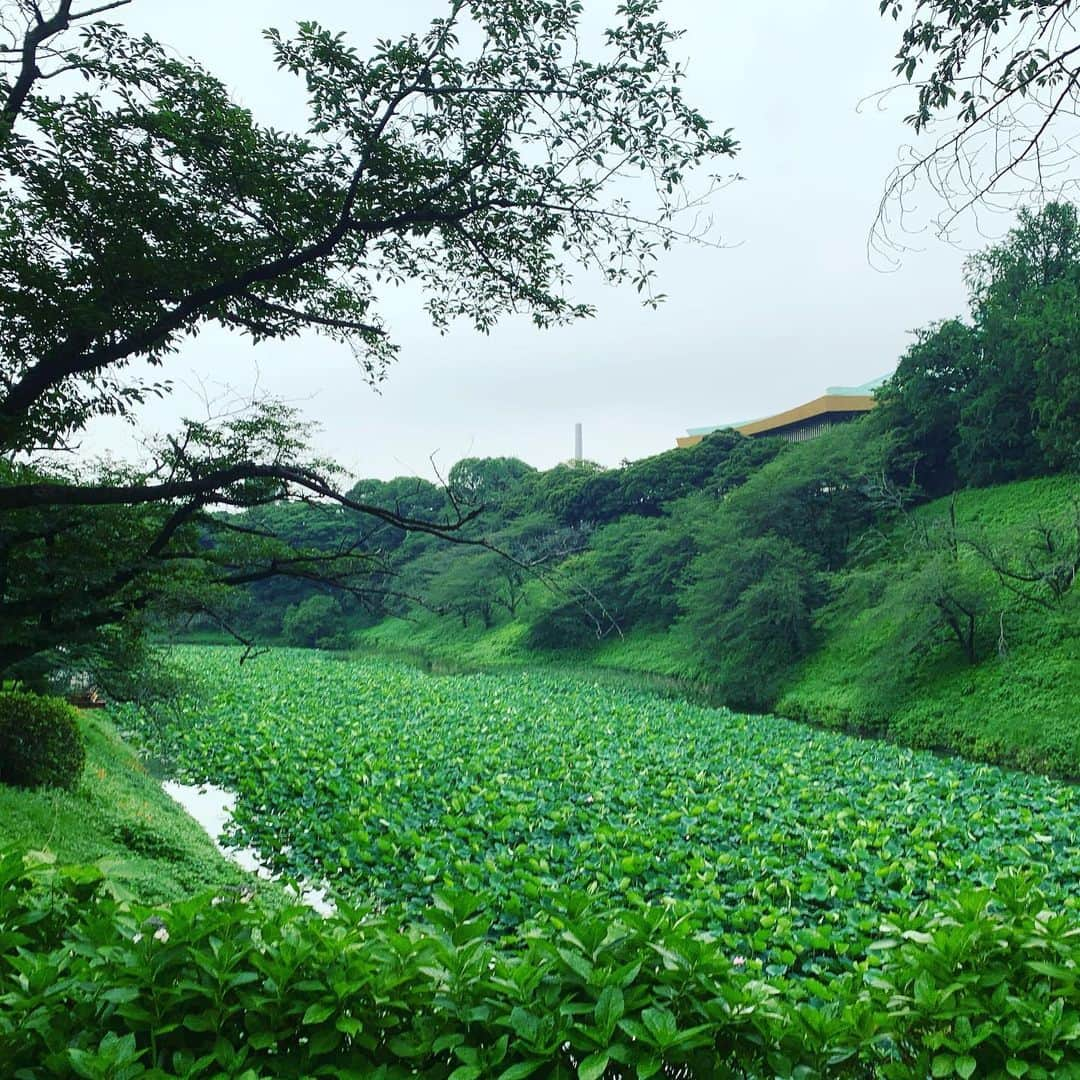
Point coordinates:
[(732, 556)]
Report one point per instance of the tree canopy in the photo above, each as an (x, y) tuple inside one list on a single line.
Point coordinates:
[(994, 399), (146, 204), (141, 204)]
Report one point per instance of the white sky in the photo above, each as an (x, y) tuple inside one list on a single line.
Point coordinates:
[(793, 306)]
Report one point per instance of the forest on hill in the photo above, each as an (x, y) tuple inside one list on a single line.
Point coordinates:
[(907, 557)]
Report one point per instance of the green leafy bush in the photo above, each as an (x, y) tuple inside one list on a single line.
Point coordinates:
[(980, 983), (40, 741), (317, 621)]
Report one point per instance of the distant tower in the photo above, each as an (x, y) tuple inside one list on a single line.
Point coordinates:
[(578, 458)]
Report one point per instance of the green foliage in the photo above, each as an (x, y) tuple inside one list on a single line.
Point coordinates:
[(890, 663), (479, 481), (945, 589), (980, 983), (316, 621), (991, 68), (120, 819), (758, 573), (141, 204), (470, 583), (225, 219), (819, 495), (408, 496), (998, 399), (1048, 330), (629, 577), (638, 565), (1024, 292), (108, 565), (601, 880), (40, 741), (920, 404), (575, 495), (944, 34), (718, 464), (749, 613), (563, 625), (791, 845)]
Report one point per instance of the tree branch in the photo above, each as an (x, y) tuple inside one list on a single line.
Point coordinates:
[(207, 487)]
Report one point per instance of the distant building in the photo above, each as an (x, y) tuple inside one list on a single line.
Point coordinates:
[(837, 405)]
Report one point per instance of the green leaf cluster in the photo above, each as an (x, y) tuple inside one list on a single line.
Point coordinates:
[(979, 983), (390, 785), (40, 741)]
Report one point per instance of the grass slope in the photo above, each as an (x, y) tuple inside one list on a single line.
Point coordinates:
[(444, 645), (1021, 708), (443, 641), (120, 818)]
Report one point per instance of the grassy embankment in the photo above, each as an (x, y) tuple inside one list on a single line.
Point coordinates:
[(119, 818), (1018, 709), (1018, 705)]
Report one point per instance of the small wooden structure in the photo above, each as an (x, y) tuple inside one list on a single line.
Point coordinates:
[(87, 699), (83, 694)]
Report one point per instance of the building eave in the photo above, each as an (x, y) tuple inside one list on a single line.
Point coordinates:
[(827, 403)]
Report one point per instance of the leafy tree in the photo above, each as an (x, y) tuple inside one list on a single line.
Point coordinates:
[(317, 621), (817, 495), (466, 583), (744, 459), (996, 398), (574, 495), (636, 568), (529, 546), (1039, 565), (408, 496), (1041, 249), (645, 487), (921, 403), (1026, 348), (476, 583), (1049, 330), (944, 592), (484, 481), (572, 618), (748, 612), (587, 494), (142, 204), (70, 567)]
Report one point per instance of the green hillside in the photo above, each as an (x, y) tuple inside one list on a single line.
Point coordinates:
[(1019, 704), (119, 818)]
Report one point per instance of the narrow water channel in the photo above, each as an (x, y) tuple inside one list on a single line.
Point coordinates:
[(212, 807)]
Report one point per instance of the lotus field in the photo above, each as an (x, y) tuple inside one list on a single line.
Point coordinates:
[(531, 791)]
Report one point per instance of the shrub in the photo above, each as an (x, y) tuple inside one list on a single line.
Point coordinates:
[(749, 613), (980, 983), (40, 741), (315, 622), (561, 626)]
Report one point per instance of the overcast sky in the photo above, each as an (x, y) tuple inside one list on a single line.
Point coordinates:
[(791, 306)]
